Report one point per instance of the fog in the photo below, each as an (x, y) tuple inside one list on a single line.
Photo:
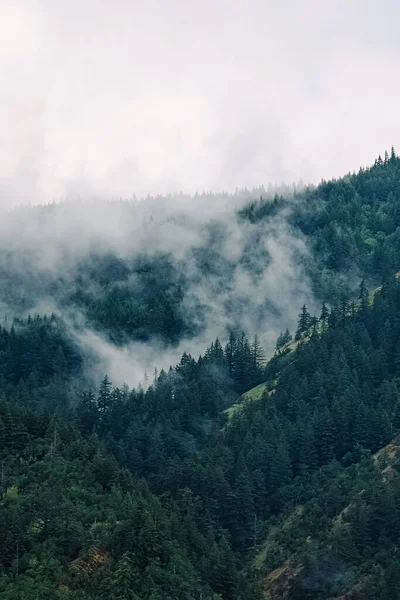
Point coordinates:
[(234, 274), (102, 100)]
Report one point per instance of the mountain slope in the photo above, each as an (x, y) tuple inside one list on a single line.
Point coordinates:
[(200, 485)]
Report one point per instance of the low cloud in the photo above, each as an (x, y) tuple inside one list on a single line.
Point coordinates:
[(235, 275)]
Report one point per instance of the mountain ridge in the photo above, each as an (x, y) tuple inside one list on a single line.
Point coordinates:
[(189, 485)]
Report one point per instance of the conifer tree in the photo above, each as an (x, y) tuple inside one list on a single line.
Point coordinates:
[(303, 323), (105, 397), (324, 315), (230, 351), (257, 359)]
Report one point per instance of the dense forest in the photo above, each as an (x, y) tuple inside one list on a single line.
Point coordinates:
[(227, 476)]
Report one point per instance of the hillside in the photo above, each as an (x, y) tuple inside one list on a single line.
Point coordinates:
[(227, 476), (346, 557)]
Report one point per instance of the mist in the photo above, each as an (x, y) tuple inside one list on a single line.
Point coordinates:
[(185, 112), (232, 274), (103, 100)]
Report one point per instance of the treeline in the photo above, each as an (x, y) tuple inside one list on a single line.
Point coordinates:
[(175, 416), (158, 493), (336, 398), (68, 483), (351, 225)]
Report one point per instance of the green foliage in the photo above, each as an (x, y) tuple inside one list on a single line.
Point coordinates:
[(155, 494)]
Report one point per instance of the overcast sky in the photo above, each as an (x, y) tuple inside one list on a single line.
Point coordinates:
[(111, 98)]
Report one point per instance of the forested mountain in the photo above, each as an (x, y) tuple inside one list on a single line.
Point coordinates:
[(185, 487)]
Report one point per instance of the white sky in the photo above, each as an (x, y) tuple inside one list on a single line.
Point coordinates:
[(110, 98)]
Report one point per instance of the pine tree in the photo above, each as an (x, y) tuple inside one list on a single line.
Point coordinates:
[(230, 351), (324, 315), (218, 357), (125, 579), (257, 359), (105, 397), (242, 361), (304, 322)]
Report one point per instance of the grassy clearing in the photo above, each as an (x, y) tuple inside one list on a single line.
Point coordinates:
[(253, 394)]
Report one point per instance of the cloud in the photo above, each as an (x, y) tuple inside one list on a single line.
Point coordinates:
[(234, 274), (108, 99)]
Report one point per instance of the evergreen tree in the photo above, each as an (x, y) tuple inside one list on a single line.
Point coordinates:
[(230, 351), (303, 323), (104, 400), (324, 315), (125, 580)]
